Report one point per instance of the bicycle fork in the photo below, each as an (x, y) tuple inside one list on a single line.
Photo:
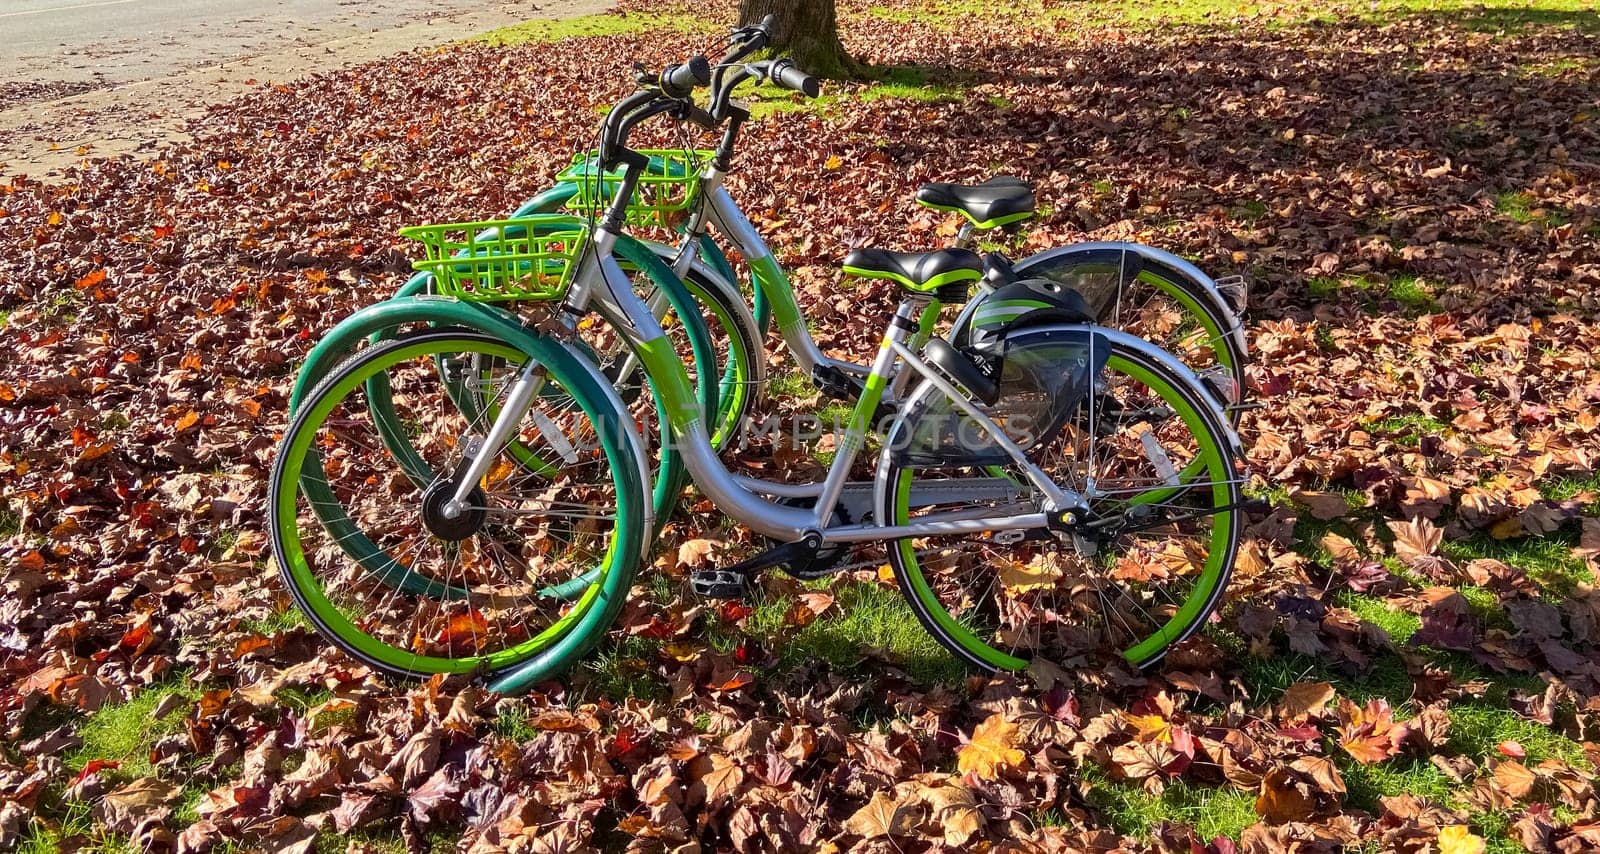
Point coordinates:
[(518, 401)]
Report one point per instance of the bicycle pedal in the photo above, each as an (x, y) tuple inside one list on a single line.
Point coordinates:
[(719, 584), (837, 385)]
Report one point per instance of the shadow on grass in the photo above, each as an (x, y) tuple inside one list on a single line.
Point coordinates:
[(1484, 19)]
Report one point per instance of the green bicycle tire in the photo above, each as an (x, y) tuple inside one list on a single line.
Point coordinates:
[(299, 455)]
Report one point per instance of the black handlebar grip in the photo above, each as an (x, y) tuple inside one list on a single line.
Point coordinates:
[(767, 23), (679, 81), (788, 75)]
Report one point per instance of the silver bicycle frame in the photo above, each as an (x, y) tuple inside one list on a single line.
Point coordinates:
[(601, 280), (683, 263), (722, 212)]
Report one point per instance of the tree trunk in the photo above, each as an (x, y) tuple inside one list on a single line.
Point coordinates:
[(807, 31)]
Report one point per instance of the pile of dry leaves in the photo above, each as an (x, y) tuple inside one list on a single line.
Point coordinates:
[(1413, 199)]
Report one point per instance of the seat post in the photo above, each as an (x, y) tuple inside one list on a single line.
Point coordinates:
[(964, 236)]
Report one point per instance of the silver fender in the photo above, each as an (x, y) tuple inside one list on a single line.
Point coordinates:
[(1166, 263)]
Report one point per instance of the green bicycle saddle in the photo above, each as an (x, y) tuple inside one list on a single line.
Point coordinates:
[(942, 272), (998, 201)]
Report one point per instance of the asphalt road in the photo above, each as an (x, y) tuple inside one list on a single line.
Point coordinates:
[(79, 43), (91, 78)]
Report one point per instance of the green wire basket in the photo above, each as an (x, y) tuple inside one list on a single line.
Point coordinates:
[(529, 258), (668, 187)]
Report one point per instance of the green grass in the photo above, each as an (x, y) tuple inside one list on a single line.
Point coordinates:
[(10, 520), (623, 669), (543, 30), (907, 82), (1548, 560), (512, 724), (125, 732), (1408, 429), (1412, 294), (794, 384), (369, 839), (943, 16), (1364, 784), (1481, 15), (275, 622), (1212, 812), (1475, 729), (1250, 210), (47, 836), (864, 617), (1523, 208), (1399, 624), (1557, 67), (1568, 487)]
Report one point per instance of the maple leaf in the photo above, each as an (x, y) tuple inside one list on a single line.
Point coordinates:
[(1369, 734), (1040, 573), (696, 553), (1323, 505), (1415, 538), (1514, 779), (721, 782), (1588, 546), (1149, 728), (463, 631), (1284, 798), (124, 809), (884, 815), (955, 810), (1304, 700), (992, 749)]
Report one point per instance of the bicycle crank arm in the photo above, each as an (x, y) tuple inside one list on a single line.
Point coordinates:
[(734, 582)]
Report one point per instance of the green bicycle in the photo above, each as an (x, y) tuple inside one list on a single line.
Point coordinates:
[(1050, 489)]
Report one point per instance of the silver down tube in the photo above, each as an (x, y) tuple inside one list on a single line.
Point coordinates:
[(730, 221), (633, 318)]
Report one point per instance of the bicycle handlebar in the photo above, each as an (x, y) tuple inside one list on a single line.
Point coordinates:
[(671, 93), (788, 75), (680, 81)]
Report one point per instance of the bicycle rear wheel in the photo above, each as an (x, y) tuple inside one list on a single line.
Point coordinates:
[(1156, 470), (380, 564)]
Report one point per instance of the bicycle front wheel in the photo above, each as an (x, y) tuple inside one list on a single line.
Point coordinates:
[(385, 562), (1155, 468)]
